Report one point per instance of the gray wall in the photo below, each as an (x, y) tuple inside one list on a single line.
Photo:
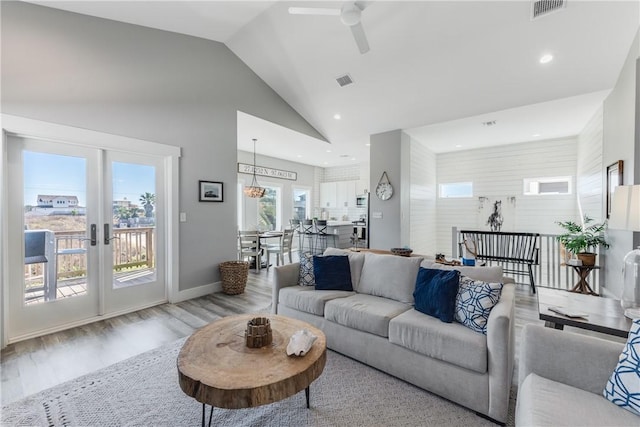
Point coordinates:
[(619, 143), (386, 155), (155, 85)]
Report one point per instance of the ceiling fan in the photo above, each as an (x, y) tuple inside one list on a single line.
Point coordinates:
[(349, 14)]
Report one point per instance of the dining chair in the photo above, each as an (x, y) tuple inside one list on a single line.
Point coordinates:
[(249, 246), (279, 249)]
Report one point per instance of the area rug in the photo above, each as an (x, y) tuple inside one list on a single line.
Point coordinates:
[(144, 391)]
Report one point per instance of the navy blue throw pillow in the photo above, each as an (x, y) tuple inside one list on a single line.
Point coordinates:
[(332, 272), (436, 292)]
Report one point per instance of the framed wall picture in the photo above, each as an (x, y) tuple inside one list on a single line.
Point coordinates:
[(614, 178), (210, 191)]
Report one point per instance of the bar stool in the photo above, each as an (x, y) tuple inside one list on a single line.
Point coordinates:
[(307, 232), (322, 235)]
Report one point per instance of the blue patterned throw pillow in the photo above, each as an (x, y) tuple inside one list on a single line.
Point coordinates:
[(306, 277), (623, 388), (474, 302)]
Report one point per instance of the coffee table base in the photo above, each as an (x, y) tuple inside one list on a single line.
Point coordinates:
[(306, 395)]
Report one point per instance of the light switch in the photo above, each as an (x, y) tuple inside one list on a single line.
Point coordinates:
[(183, 217), (376, 215)]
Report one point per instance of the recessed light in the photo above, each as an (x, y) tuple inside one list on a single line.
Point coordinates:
[(535, 135), (328, 151), (353, 158), (367, 144), (546, 58), (299, 155), (458, 145), (326, 163), (337, 116)]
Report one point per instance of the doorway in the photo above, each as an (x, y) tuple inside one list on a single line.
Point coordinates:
[(87, 231)]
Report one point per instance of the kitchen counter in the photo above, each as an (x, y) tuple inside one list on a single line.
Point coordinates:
[(339, 223), (342, 230)]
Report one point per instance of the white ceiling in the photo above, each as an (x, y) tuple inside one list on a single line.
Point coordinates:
[(436, 69)]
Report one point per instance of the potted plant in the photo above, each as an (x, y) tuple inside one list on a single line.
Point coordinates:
[(580, 240)]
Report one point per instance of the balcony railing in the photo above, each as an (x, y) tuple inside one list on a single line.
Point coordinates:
[(132, 248), (549, 272)]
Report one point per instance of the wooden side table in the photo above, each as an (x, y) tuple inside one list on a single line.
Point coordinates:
[(583, 272)]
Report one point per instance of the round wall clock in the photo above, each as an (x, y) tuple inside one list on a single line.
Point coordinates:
[(384, 189)]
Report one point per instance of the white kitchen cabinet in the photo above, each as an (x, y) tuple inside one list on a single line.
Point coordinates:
[(340, 194), (328, 195)]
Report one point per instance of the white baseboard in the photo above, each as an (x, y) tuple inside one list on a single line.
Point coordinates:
[(196, 292)]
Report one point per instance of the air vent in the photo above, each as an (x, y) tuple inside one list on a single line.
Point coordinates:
[(344, 80), (541, 8)]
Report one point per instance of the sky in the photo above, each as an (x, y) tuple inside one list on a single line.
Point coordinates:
[(54, 174)]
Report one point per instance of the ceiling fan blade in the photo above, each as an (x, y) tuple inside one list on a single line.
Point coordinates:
[(314, 11), (361, 39)]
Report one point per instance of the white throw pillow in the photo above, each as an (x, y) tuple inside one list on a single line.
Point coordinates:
[(389, 276), (623, 388)]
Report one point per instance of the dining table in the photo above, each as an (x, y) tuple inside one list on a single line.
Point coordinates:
[(264, 236)]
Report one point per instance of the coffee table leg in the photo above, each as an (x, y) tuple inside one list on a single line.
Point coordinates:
[(210, 415), (306, 394)]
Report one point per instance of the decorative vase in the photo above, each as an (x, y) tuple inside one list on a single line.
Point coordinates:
[(587, 258)]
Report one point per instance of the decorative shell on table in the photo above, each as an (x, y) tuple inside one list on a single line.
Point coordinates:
[(300, 343)]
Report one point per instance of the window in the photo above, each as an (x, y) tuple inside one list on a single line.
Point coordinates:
[(270, 209), (456, 189), (301, 203), (547, 186)]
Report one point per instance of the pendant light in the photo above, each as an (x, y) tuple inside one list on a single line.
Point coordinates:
[(254, 190)]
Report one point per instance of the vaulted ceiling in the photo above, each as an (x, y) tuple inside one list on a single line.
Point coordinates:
[(436, 69)]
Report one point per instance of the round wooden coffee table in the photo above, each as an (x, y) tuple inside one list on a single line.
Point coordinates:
[(216, 367)]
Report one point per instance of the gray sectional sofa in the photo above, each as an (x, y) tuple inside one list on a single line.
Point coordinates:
[(377, 324), (561, 379)]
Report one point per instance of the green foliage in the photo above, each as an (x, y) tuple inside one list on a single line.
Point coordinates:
[(148, 200), (579, 239)]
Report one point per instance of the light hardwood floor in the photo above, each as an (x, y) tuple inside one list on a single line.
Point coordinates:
[(39, 363)]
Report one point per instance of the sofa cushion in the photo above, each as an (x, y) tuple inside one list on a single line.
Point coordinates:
[(305, 278), (331, 272), (436, 292), (492, 274), (308, 300), (356, 261), (389, 276), (364, 312), (449, 342), (543, 402), (474, 303), (623, 388)]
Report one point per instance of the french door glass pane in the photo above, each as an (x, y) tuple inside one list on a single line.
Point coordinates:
[(134, 224), (268, 209), (55, 227), (300, 198)]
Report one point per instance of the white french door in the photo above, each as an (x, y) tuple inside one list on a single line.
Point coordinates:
[(86, 234)]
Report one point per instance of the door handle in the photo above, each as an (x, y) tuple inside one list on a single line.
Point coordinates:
[(108, 239), (94, 238)]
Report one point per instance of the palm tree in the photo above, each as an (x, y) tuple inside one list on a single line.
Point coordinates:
[(148, 200)]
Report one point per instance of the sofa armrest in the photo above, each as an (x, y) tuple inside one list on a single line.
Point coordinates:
[(501, 352), (581, 361), (285, 275)]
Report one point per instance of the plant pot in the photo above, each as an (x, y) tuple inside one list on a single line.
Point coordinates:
[(587, 258)]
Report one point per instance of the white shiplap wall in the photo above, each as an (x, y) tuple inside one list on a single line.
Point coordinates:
[(422, 199), (590, 168), (497, 173)]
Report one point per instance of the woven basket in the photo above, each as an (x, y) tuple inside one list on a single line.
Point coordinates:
[(401, 251), (234, 276)]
